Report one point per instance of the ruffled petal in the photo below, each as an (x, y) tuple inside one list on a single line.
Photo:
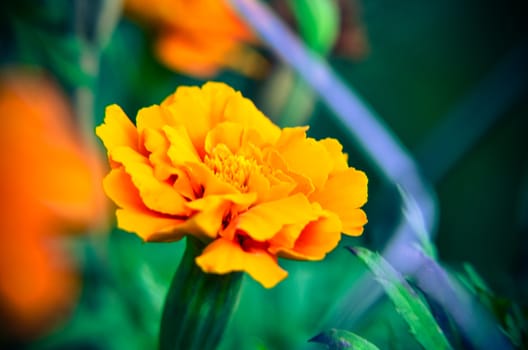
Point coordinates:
[(301, 183), (335, 150), (227, 133), (151, 227), (199, 55), (119, 187), (117, 130), (157, 144), (315, 241), (210, 213), (135, 217), (212, 210), (264, 220), (286, 237), (242, 111), (181, 149), (155, 194), (305, 156), (353, 222), (198, 110), (216, 95), (152, 117), (206, 182), (343, 194), (224, 256)]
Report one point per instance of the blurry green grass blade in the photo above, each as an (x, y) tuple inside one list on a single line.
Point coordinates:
[(413, 214), (474, 321), (318, 22), (338, 339), (507, 313), (408, 304), (95, 20)]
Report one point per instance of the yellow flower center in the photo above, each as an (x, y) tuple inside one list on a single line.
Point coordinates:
[(232, 168)]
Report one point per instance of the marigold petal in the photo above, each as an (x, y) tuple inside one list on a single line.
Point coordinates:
[(157, 144), (152, 117), (119, 187), (206, 182), (117, 129), (157, 195), (134, 216), (301, 183), (80, 198), (184, 185), (286, 237), (211, 210), (343, 194), (181, 149), (305, 156), (291, 135), (227, 133), (264, 220), (224, 256), (242, 111), (199, 55), (198, 110), (149, 226), (315, 241), (353, 222), (335, 150), (258, 183), (217, 95)]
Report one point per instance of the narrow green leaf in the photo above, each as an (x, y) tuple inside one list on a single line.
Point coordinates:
[(408, 304), (413, 213), (509, 315), (338, 339), (318, 22)]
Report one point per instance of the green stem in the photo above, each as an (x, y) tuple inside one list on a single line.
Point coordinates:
[(198, 305)]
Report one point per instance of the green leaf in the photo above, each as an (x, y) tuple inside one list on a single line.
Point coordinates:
[(511, 316), (413, 213), (408, 304), (318, 22), (338, 339)]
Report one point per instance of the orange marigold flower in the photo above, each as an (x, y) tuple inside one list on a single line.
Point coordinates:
[(207, 162), (198, 37), (49, 184)]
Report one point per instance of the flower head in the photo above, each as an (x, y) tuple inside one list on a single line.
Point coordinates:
[(198, 37), (207, 162), (49, 185)]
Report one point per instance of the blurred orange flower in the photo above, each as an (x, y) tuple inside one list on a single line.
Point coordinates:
[(207, 162), (48, 185), (198, 37)]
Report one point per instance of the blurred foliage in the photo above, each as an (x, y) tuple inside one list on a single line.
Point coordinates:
[(425, 59), (336, 339), (407, 303), (512, 317)]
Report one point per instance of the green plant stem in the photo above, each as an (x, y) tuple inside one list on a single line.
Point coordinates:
[(198, 305)]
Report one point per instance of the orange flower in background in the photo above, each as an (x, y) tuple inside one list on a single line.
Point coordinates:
[(48, 185), (208, 163), (198, 37)]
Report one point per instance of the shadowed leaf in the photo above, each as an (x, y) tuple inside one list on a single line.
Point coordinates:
[(338, 339), (408, 304)]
